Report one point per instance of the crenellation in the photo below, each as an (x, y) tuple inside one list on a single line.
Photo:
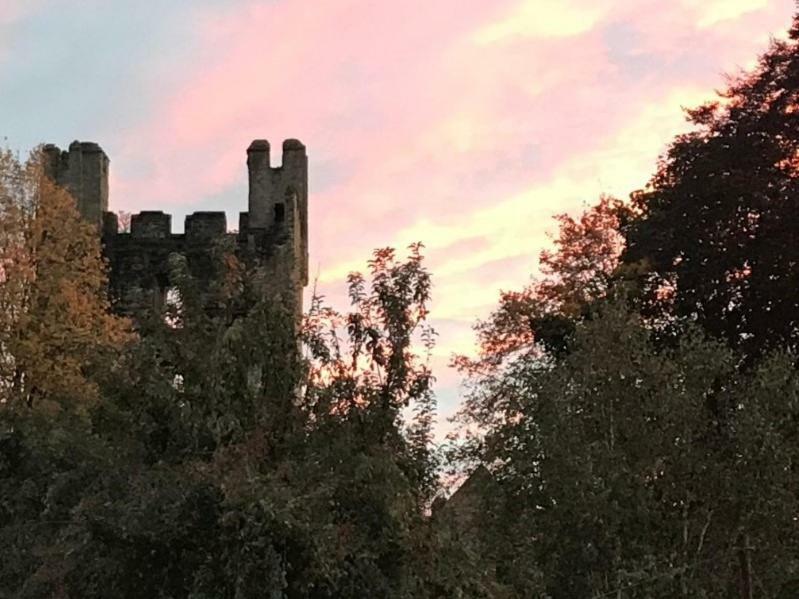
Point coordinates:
[(244, 221), (272, 233), (151, 224), (110, 224), (205, 226)]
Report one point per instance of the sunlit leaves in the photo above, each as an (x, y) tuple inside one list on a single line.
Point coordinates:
[(55, 320)]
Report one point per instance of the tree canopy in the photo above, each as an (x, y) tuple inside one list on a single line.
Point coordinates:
[(633, 413), (55, 322), (636, 404), (218, 453), (716, 226)]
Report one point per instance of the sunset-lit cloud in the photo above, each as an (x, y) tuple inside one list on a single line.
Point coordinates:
[(541, 19), (464, 125), (713, 12)]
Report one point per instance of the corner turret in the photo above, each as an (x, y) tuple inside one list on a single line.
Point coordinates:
[(271, 186), (83, 172)]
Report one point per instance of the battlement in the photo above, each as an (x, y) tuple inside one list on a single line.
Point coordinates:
[(293, 153), (274, 230), (151, 224), (202, 226), (155, 224)]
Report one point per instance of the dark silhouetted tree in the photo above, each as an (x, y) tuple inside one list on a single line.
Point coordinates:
[(605, 482), (716, 228), (219, 462)]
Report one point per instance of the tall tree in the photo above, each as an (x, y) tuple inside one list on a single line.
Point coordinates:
[(536, 322), (633, 467), (55, 318), (716, 227), (579, 270), (607, 484), (221, 463)]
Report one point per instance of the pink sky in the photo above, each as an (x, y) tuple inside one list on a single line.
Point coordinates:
[(465, 124)]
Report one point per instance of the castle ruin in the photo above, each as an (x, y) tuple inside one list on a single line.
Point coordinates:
[(273, 231)]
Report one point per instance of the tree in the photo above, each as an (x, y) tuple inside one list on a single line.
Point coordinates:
[(579, 271), (715, 228), (635, 455), (55, 319), (376, 374), (221, 462), (607, 482), (538, 321)]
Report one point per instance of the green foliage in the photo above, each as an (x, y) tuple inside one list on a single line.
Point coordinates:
[(638, 404), (221, 462), (368, 382), (615, 473)]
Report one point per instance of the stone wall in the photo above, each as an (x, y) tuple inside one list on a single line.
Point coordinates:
[(272, 235)]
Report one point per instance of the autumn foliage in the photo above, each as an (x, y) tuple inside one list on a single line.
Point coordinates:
[(55, 317), (578, 270)]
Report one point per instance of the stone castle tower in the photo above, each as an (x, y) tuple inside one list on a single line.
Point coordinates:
[(273, 232)]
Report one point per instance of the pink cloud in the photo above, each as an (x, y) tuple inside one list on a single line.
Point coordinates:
[(377, 91), (462, 122)]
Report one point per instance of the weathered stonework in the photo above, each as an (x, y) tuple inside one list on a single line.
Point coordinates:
[(467, 504), (273, 232), (83, 171)]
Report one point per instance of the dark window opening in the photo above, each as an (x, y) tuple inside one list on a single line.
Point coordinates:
[(280, 212)]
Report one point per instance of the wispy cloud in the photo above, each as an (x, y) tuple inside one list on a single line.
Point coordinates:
[(541, 19), (465, 125), (713, 12)]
